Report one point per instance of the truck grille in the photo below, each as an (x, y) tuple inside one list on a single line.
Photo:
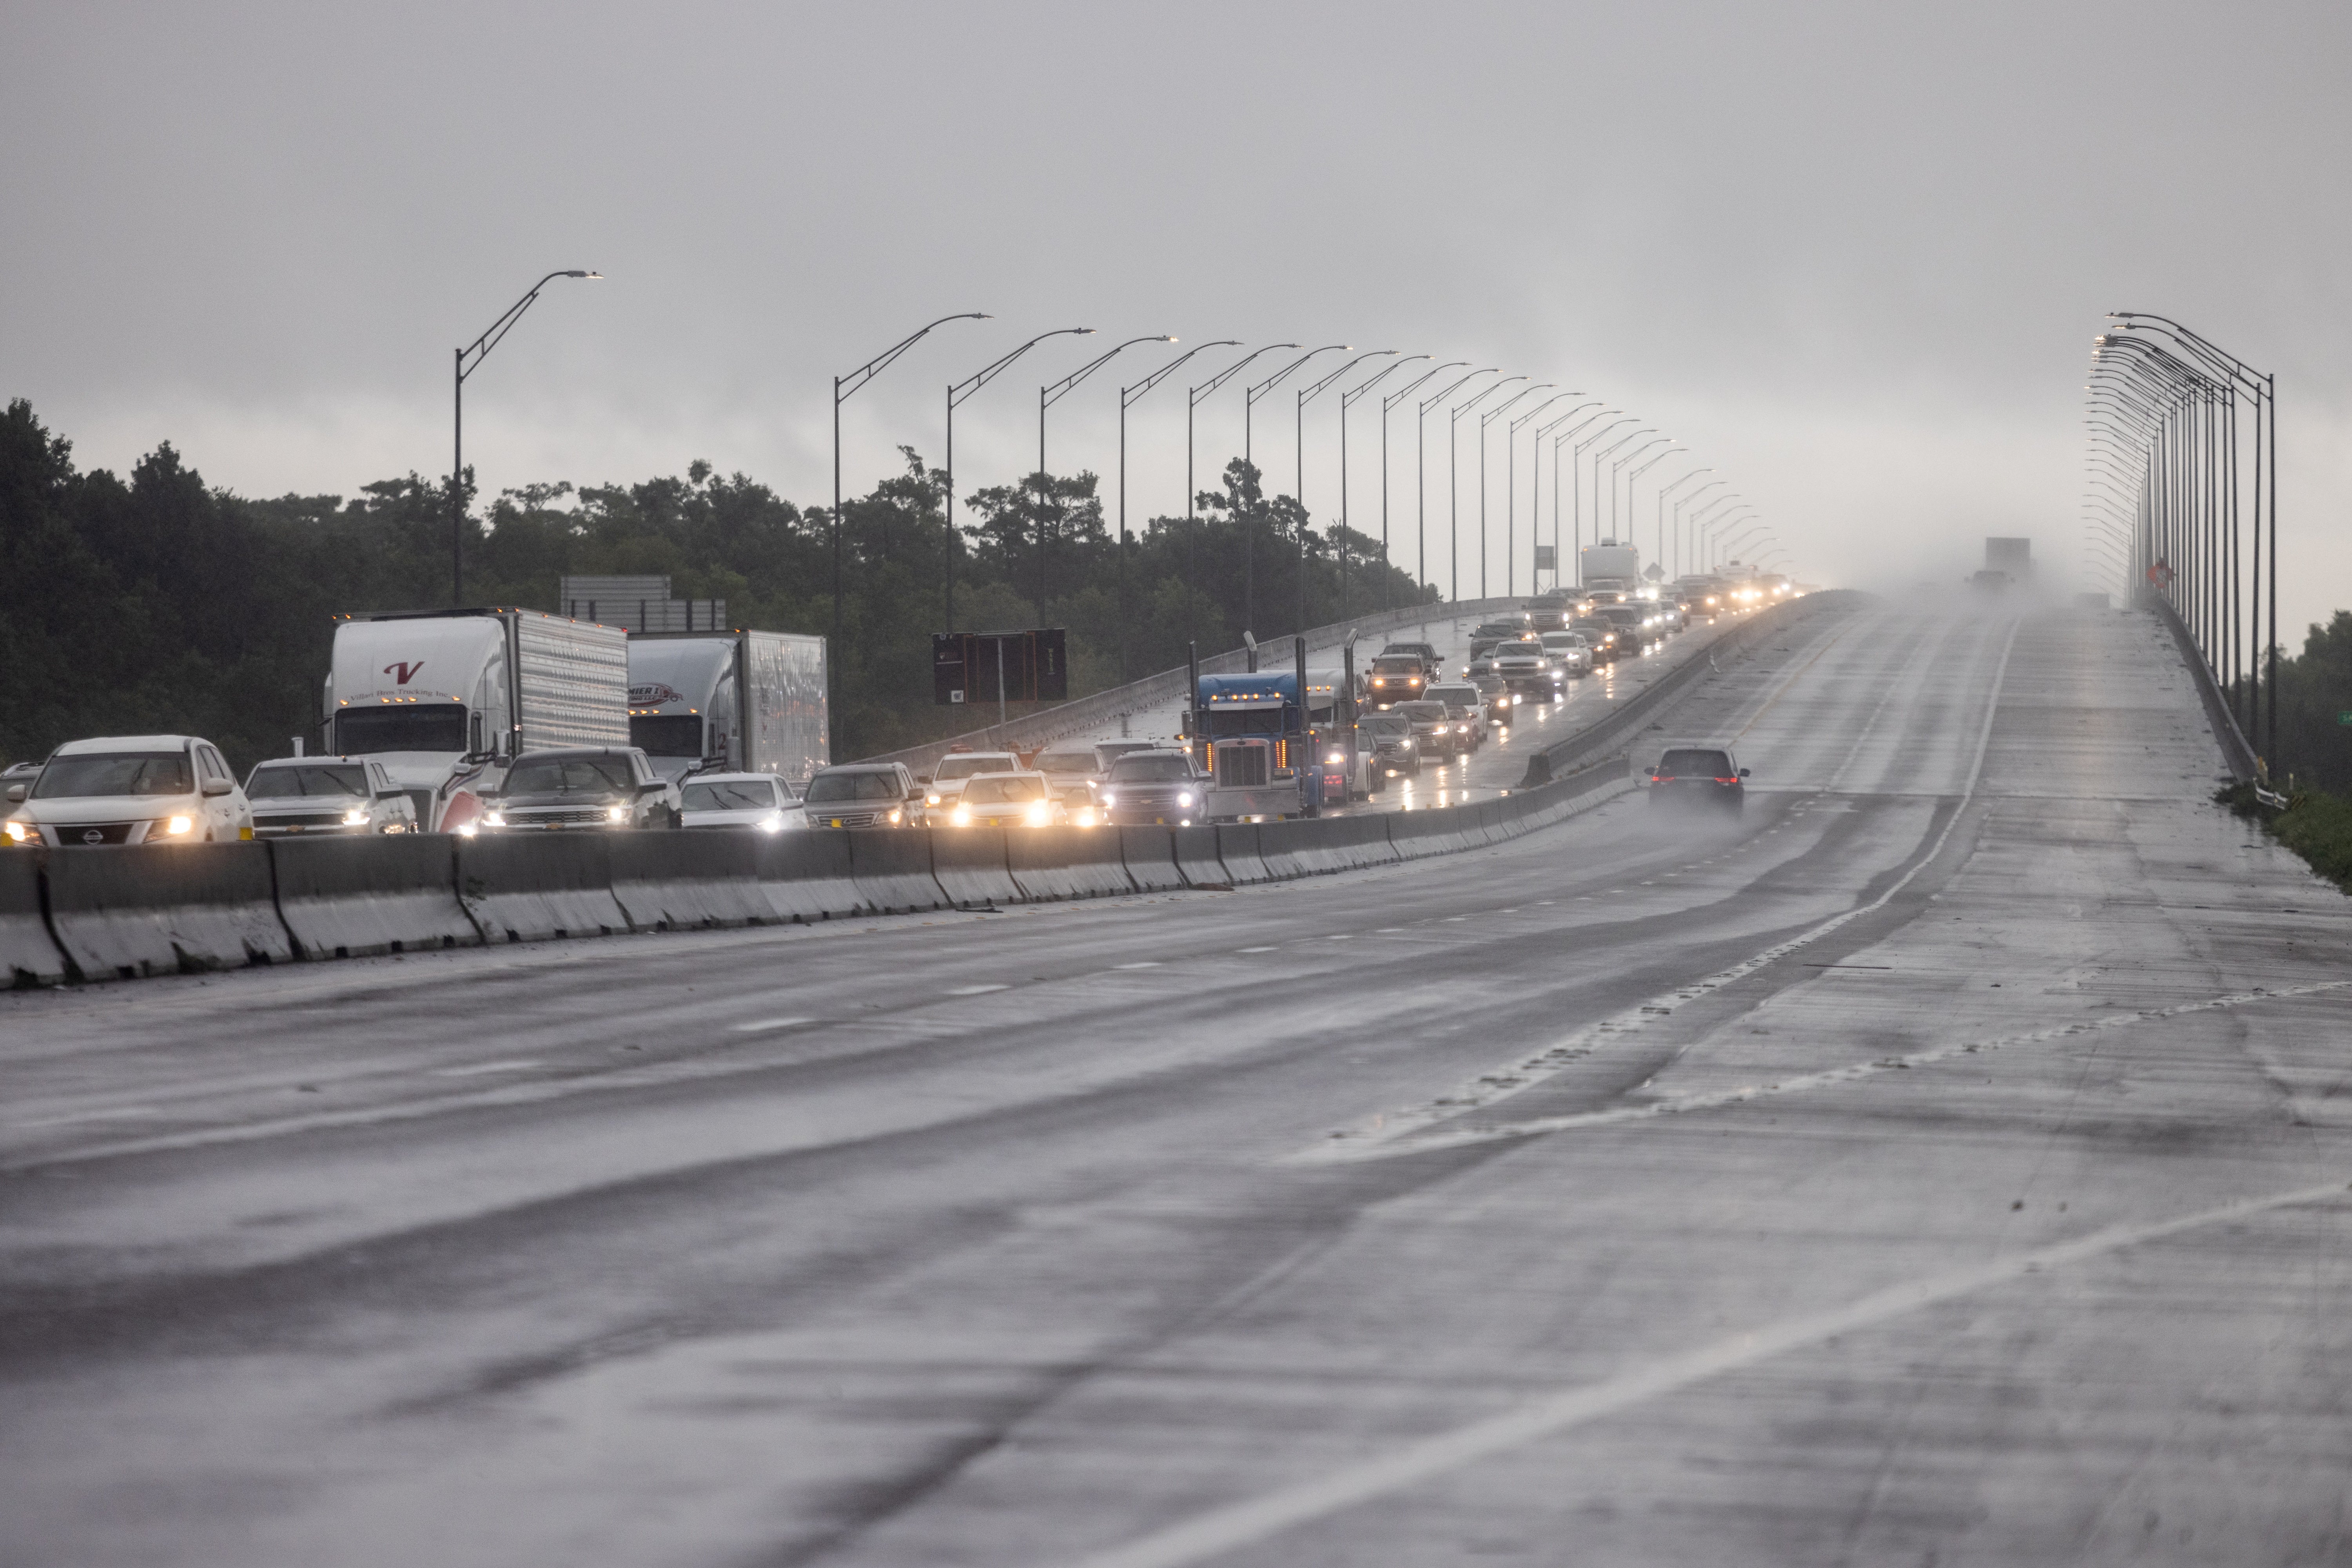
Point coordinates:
[(92, 833), (298, 819), (566, 816), (819, 818)]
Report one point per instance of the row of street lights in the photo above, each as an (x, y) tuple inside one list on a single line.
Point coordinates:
[(2164, 483)]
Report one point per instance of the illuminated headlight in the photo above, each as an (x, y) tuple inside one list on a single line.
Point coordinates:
[(1183, 797), (932, 798), (1516, 699), (1039, 816), (960, 817), (616, 814), (22, 832), (1460, 729), (1086, 817), (1336, 758), (896, 812), (176, 826), (466, 831), (494, 819), (1110, 801), (355, 817), (772, 823)]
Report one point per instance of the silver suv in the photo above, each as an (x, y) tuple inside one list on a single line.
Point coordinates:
[(586, 788)]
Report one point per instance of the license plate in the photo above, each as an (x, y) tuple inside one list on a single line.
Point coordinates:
[(833, 822)]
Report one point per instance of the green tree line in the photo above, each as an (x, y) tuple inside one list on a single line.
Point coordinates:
[(2314, 701), (158, 604)]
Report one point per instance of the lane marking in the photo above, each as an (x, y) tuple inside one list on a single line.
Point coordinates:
[(1147, 963), (127, 1113), (762, 1026), (1257, 950), (1223, 1529), (478, 1069), (1389, 1128), (975, 990), (1714, 1099)]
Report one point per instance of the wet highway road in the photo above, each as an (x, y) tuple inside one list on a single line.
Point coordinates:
[(1947, 1162)]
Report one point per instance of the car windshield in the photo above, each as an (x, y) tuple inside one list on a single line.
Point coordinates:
[(1694, 763), (1149, 770), (1558, 640), (1401, 666), (964, 767), (1388, 723), (1066, 762), (1455, 696), (93, 773), (571, 775), (1427, 713), (1003, 789), (276, 781), (876, 785), (730, 795), (1519, 650), (1489, 685)]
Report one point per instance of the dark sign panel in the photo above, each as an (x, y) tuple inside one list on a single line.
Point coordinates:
[(1035, 666)]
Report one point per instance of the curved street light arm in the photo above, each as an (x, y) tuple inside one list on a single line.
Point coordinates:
[(1453, 415), (959, 392), (1052, 395), (1307, 395), (1409, 388), (1251, 395), (1130, 395), (1544, 430), (843, 387), (1210, 386), (1428, 404), (1354, 395), (1535, 412), (480, 347)]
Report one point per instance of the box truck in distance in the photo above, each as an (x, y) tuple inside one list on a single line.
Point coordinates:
[(743, 702), (1609, 564), (445, 698)]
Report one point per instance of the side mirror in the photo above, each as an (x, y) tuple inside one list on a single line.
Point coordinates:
[(653, 787), (922, 778), (390, 793), (218, 786), (15, 794), (1743, 772)]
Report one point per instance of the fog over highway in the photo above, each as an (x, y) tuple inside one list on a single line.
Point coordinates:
[(1946, 1162)]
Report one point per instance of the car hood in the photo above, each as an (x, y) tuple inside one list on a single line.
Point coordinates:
[(108, 808), (307, 802), (749, 815), (560, 797)]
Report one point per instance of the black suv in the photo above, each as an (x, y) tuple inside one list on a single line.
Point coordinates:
[(1394, 750), (1144, 788), (597, 788), (864, 794), (1698, 778)]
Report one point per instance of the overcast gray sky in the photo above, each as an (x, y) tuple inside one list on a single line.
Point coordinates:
[(1850, 255)]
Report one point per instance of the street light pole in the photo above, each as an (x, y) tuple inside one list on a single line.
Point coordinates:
[(1633, 521), (1303, 396), (1616, 463), (1534, 495), (1348, 400), (1129, 396), (467, 361), (1454, 490), (1046, 398), (1192, 528), (1542, 432), (1664, 492), (1420, 460), (1250, 394), (1575, 490), (959, 393), (1488, 417), (1387, 403), (1681, 554)]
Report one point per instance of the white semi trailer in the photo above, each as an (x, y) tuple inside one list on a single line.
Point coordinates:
[(443, 698), (749, 702)]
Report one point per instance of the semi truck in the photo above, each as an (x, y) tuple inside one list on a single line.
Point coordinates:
[(741, 701), (445, 698), (1269, 756), (1609, 564)]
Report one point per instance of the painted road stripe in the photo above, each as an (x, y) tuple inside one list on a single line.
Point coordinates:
[(761, 1025), (480, 1068), (976, 990), (1500, 1083), (1224, 1530)]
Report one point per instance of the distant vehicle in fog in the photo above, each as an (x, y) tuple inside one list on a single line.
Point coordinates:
[(1696, 778)]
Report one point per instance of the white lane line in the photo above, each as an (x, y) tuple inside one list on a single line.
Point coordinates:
[(127, 1113), (1147, 963), (975, 990), (1257, 950), (761, 1025), (1223, 1529), (478, 1069), (1391, 1128), (1714, 1099)]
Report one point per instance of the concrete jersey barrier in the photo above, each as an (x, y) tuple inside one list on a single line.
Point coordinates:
[(806, 877), (703, 880), (28, 954), (1070, 862), (166, 909), (538, 886), (344, 897), (970, 866), (892, 869)]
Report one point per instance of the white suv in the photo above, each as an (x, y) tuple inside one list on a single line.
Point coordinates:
[(327, 795), (130, 789)]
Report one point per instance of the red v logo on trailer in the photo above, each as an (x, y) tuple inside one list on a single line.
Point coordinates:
[(401, 674)]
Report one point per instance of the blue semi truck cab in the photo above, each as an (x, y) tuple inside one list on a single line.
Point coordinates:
[(1270, 755)]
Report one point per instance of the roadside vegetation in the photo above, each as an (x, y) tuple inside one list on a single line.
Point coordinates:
[(158, 604), (2315, 825)]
